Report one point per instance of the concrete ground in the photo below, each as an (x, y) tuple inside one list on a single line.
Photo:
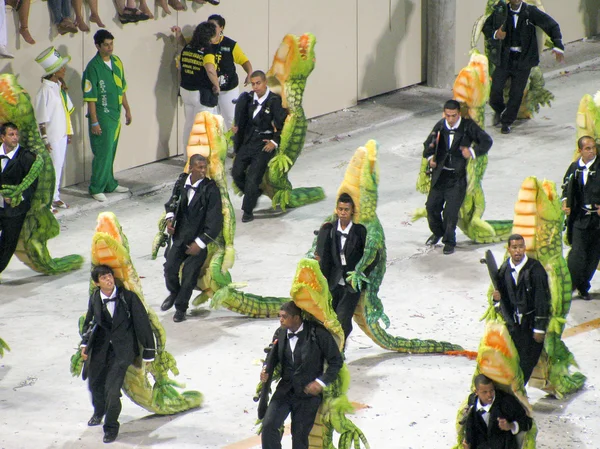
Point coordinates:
[(409, 401)]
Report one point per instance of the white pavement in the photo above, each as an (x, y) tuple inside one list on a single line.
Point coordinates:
[(412, 400)]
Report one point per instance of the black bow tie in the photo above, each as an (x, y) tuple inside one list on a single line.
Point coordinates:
[(107, 300), (340, 234), (513, 13), (189, 186), (2, 156), (482, 411), (294, 334)]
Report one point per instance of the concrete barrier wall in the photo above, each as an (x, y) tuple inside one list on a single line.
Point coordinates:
[(364, 48)]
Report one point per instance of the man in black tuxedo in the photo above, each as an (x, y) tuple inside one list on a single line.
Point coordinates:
[(494, 418), (15, 163), (115, 326), (448, 149), (581, 203), (194, 219), (259, 119), (340, 246), (513, 49), (303, 348), (523, 297)]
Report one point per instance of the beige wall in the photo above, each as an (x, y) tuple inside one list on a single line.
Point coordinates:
[(364, 48), (573, 16)]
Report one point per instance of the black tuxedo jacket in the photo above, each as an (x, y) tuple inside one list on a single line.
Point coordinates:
[(202, 218), (328, 249), (315, 346), (531, 295), (267, 124), (13, 174), (529, 17), (578, 195), (127, 329), (467, 133), (481, 436)]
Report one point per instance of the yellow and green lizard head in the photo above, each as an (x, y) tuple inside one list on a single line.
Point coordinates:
[(310, 292), (15, 103), (538, 216), (293, 62), (207, 138), (361, 181)]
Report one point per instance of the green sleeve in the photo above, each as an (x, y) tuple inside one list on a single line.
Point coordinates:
[(89, 83)]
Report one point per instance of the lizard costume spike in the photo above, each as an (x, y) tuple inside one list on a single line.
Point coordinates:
[(110, 247), (361, 183), (40, 224)]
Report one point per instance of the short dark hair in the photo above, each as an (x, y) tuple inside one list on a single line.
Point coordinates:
[(101, 36), (482, 379), (6, 126), (291, 308), (514, 237), (345, 198), (195, 158), (217, 18), (259, 74), (582, 138), (203, 33), (452, 105), (100, 270)]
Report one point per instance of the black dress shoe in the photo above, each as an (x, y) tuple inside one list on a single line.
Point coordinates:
[(214, 2), (109, 437), (448, 249), (505, 129), (497, 117), (585, 296), (168, 303), (433, 239), (179, 316), (247, 217), (95, 420)]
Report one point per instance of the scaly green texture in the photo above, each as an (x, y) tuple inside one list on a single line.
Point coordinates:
[(110, 247), (292, 64), (470, 216), (40, 224), (361, 183), (212, 144)]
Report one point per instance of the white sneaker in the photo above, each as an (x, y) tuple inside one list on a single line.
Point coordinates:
[(99, 197), (4, 53), (121, 189)]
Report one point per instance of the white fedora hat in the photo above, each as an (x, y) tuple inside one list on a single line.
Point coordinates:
[(51, 60)]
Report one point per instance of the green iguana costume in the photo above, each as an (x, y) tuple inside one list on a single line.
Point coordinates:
[(292, 64), (3, 346), (40, 224), (310, 293), (361, 183), (539, 219), (207, 139), (110, 247), (535, 94), (472, 90)]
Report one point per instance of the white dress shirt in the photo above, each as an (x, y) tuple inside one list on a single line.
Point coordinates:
[(110, 306), (293, 340), (190, 196), (342, 245)]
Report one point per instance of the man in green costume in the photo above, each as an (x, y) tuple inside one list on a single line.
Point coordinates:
[(104, 89)]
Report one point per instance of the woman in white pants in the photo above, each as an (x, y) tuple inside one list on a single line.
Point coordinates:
[(228, 53), (53, 109), (199, 82)]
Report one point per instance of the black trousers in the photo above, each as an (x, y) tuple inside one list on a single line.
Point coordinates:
[(304, 411), (249, 167), (189, 275), (344, 302), (518, 82), (10, 228), (105, 381), (584, 257), (443, 204), (529, 350)]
